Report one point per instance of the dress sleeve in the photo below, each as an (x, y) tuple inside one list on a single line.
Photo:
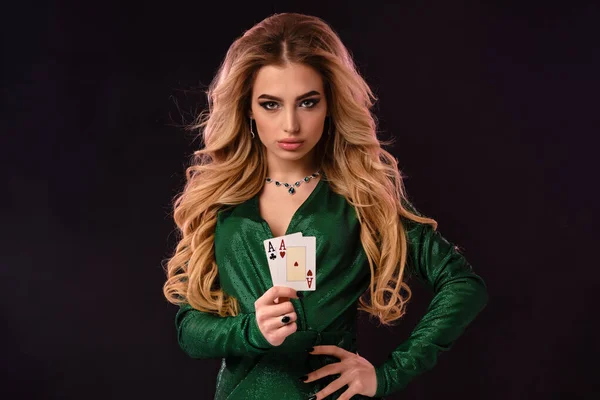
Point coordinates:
[(459, 295), (205, 335)]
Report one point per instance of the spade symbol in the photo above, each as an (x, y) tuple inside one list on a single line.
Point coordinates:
[(296, 264)]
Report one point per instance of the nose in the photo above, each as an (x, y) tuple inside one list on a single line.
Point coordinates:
[(291, 121)]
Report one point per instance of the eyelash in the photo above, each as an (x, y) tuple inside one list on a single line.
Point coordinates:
[(314, 103)]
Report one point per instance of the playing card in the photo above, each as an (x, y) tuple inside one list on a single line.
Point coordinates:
[(294, 264), (276, 249), (300, 269)]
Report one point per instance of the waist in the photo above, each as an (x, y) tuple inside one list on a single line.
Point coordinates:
[(282, 365), (300, 341)]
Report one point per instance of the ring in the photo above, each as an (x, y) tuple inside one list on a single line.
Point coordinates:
[(285, 319)]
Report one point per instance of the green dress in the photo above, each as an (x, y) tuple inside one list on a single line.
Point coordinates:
[(252, 368)]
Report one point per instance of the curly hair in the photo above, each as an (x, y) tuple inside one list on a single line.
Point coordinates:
[(231, 168)]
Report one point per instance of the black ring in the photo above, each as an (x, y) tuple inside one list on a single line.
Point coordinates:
[(285, 319)]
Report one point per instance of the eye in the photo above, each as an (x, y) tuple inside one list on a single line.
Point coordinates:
[(311, 102), (267, 105)]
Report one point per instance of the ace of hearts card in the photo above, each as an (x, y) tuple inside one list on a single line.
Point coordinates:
[(292, 261)]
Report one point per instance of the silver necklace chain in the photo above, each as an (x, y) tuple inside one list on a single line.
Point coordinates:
[(292, 187)]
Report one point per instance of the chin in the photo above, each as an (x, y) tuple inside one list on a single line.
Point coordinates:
[(291, 155)]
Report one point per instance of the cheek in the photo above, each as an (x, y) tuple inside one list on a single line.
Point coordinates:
[(315, 126), (266, 125)]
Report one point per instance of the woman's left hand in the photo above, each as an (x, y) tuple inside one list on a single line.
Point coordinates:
[(356, 372)]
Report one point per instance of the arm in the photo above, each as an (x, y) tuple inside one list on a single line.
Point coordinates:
[(459, 295), (205, 335)]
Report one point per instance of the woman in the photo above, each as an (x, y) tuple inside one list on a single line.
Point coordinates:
[(291, 146)]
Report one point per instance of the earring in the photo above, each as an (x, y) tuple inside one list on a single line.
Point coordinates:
[(251, 128)]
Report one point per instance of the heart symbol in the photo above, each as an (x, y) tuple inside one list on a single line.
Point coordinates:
[(282, 253), (309, 273)]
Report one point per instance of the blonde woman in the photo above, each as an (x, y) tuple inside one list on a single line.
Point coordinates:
[(290, 146)]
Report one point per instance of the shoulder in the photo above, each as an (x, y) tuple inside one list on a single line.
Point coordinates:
[(224, 212), (409, 225)]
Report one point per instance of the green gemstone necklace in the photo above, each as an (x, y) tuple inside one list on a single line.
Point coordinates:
[(291, 188)]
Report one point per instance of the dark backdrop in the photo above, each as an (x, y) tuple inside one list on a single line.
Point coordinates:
[(494, 109)]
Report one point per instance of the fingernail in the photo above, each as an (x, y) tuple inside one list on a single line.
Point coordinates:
[(311, 349), (303, 378), (313, 397), (299, 294)]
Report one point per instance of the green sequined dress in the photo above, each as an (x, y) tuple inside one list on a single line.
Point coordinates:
[(252, 368)]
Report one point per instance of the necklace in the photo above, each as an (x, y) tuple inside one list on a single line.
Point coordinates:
[(291, 189)]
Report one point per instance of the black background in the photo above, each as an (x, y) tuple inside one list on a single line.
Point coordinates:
[(494, 111)]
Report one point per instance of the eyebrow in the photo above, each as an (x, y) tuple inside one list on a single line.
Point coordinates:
[(302, 96)]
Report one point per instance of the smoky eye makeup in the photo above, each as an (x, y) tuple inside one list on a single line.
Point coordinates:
[(268, 105), (313, 102), (272, 105)]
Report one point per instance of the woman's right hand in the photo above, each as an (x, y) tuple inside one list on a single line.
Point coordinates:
[(269, 314)]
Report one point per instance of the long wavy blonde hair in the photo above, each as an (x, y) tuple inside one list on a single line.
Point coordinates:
[(231, 168)]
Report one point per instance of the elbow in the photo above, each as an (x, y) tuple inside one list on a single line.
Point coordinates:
[(187, 343), (485, 297), (473, 291), (183, 346), (480, 295), (191, 351)]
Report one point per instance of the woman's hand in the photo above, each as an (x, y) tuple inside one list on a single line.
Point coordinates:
[(356, 372), (270, 308)]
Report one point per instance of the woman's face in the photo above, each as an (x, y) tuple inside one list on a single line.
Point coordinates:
[(288, 103)]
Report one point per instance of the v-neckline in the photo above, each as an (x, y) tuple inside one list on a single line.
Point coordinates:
[(266, 225)]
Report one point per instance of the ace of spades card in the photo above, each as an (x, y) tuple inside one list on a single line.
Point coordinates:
[(292, 261)]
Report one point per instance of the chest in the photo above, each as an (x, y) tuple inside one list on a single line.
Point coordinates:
[(278, 210)]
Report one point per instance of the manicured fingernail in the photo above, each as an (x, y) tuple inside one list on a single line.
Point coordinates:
[(310, 350), (303, 378), (300, 294)]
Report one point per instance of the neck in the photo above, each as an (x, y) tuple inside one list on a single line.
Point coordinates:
[(290, 170)]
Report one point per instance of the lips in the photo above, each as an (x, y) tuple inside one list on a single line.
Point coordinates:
[(290, 141), (290, 146)]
